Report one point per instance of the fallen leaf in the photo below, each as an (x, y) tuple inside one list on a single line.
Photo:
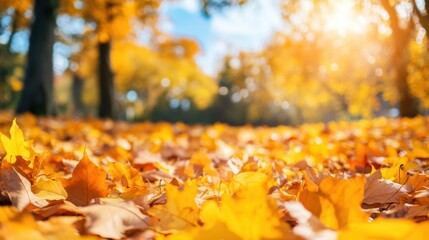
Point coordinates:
[(386, 229), (61, 228), (213, 227), (7, 212), (309, 226), (382, 191), (112, 220), (250, 215), (345, 197), (61, 209), (49, 190), (248, 180), (19, 189), (200, 163), (22, 225), (125, 174), (396, 172), (180, 211), (87, 182), (15, 145)]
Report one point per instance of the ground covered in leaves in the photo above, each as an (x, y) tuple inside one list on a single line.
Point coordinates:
[(73, 179)]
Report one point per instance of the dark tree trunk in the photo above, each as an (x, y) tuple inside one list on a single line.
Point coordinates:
[(407, 104), (77, 88), (106, 85), (37, 95)]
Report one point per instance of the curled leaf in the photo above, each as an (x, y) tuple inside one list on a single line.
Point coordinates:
[(19, 190)]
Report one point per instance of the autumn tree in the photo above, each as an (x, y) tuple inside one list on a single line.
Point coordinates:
[(113, 20), (402, 31), (339, 28), (37, 95)]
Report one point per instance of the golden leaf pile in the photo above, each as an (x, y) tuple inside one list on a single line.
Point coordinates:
[(84, 179)]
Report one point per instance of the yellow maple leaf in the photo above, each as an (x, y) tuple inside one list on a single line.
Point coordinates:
[(247, 214), (252, 215), (180, 211), (213, 227), (398, 171), (248, 180), (15, 145)]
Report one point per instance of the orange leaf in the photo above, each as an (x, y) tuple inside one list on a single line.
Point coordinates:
[(87, 182), (125, 174), (343, 200)]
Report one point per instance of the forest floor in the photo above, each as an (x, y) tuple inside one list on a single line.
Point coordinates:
[(83, 179)]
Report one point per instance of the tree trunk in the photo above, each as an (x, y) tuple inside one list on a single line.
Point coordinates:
[(37, 95), (106, 85), (77, 88), (407, 104)]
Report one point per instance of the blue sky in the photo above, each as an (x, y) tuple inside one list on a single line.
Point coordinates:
[(234, 29), (248, 27)]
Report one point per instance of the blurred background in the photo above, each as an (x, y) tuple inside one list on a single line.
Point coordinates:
[(262, 62)]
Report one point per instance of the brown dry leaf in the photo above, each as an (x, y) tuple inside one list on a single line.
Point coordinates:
[(112, 220), (87, 182), (19, 189), (382, 191)]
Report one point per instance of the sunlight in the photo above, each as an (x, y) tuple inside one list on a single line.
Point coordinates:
[(343, 18)]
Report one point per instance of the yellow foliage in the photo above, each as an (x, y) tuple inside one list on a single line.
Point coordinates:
[(180, 211), (16, 145)]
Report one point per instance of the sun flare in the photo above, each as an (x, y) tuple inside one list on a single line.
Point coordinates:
[(343, 18)]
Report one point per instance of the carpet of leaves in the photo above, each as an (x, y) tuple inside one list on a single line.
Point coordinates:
[(91, 179)]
